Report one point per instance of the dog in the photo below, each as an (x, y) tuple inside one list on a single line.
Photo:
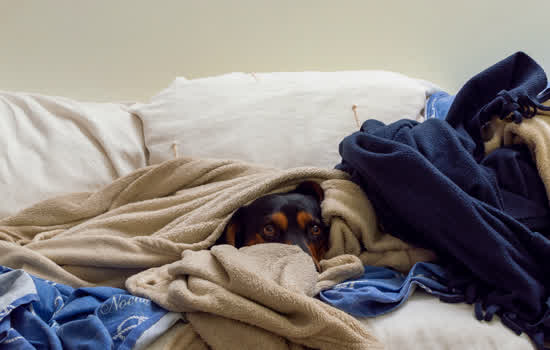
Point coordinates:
[(289, 218)]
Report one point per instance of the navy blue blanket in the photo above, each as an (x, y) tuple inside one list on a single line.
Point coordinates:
[(488, 216)]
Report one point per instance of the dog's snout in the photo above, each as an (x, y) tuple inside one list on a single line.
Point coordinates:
[(300, 241)]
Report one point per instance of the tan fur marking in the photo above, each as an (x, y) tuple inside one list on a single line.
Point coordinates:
[(280, 220), (313, 250), (257, 239), (303, 219), (231, 233)]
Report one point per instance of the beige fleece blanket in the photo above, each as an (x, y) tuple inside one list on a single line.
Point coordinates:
[(251, 298), (149, 217)]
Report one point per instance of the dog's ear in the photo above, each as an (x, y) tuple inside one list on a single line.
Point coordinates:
[(311, 188), (233, 233)]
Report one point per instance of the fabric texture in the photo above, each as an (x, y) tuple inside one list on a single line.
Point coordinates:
[(508, 89), (258, 296), (248, 116), (182, 336), (381, 290), (37, 313), (156, 215), (354, 230), (426, 323), (53, 145), (438, 104), (150, 216), (534, 132), (484, 211)]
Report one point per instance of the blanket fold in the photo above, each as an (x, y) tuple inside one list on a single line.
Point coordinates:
[(149, 217), (249, 291), (534, 132), (488, 215), (163, 216), (354, 230)]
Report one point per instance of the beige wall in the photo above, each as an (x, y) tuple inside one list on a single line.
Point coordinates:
[(129, 50)]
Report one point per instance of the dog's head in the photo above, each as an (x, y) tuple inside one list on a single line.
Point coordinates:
[(289, 218)]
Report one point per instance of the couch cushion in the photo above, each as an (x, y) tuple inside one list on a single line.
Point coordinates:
[(277, 119), (54, 145)]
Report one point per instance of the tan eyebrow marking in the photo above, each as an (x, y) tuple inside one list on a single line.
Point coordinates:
[(281, 220), (303, 219)]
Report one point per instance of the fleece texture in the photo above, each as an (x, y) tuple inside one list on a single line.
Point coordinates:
[(166, 217), (149, 217), (487, 215), (258, 296)]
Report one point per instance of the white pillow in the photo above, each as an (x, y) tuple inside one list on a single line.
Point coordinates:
[(54, 145), (278, 119)]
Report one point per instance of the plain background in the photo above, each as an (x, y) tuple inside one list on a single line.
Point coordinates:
[(128, 50)]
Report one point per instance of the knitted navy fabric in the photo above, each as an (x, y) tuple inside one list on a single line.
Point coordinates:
[(510, 86), (431, 185)]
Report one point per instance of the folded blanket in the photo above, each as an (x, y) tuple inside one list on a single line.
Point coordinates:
[(180, 336), (35, 313), (147, 219), (482, 213), (534, 132), (251, 298), (508, 88), (354, 230)]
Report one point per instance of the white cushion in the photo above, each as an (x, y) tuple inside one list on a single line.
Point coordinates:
[(425, 323), (278, 119), (54, 145)]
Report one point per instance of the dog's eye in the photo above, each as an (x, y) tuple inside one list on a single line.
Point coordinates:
[(315, 230), (269, 230)]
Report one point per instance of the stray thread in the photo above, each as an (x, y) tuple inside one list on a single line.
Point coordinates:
[(175, 145), (254, 75), (354, 109)]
